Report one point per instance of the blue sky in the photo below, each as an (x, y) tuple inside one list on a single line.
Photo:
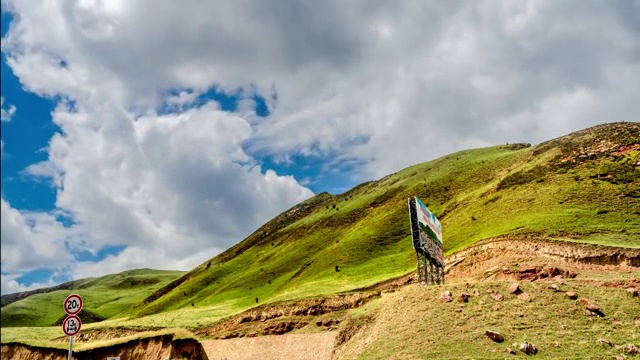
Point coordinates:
[(130, 136)]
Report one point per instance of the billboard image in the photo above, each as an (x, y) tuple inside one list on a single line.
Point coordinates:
[(427, 235), (428, 222)]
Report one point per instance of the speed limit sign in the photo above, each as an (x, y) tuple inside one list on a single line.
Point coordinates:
[(71, 325), (73, 304)]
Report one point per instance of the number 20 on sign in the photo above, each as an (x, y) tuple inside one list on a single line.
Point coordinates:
[(72, 324)]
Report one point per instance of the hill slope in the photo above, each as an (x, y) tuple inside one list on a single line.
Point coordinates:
[(580, 187), (103, 297)]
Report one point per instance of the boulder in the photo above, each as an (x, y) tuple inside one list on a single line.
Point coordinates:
[(572, 295), (495, 336), (631, 349), (528, 348), (590, 305), (514, 288), (446, 296), (497, 297), (464, 297), (524, 296), (605, 342)]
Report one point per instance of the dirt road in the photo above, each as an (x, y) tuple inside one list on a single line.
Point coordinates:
[(271, 347)]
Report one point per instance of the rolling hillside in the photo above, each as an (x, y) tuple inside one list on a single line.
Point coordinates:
[(581, 187), (104, 297)]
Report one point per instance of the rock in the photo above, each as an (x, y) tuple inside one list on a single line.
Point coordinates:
[(632, 291), (464, 297), (514, 288), (497, 297), (511, 351), (495, 336), (319, 323), (617, 323), (554, 287), (556, 344), (528, 348), (481, 302), (476, 292), (605, 342), (591, 306), (631, 349), (489, 291), (619, 357), (572, 295), (524, 296), (446, 296), (496, 307), (618, 347), (458, 310)]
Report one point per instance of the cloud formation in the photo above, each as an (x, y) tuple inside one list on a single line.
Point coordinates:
[(376, 84)]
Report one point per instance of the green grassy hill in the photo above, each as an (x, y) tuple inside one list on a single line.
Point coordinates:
[(581, 187), (103, 298)]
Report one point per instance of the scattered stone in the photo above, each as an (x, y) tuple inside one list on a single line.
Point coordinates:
[(572, 295), (528, 348), (467, 285), (464, 297), (461, 306), (401, 299), (554, 287), (476, 292), (458, 310), (591, 306), (497, 297), (511, 351), (496, 307), (617, 323), (489, 291), (605, 342), (481, 302), (446, 296), (619, 357), (524, 296), (495, 336), (556, 344), (632, 291), (631, 349), (514, 288), (618, 347), (514, 345)]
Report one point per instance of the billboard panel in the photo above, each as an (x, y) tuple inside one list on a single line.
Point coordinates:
[(428, 222)]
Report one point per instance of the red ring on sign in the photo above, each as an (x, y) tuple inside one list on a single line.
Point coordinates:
[(64, 325), (65, 304)]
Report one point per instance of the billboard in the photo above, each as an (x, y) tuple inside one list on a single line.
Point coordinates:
[(428, 222), (428, 237)]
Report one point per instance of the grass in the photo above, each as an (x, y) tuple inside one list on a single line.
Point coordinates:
[(559, 189), (103, 298), (414, 324)]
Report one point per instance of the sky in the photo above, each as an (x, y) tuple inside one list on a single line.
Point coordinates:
[(155, 134)]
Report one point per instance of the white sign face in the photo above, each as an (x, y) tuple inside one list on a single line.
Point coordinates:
[(113, 358), (73, 304), (71, 325)]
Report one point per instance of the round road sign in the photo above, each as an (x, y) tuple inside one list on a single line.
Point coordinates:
[(71, 325), (73, 304)]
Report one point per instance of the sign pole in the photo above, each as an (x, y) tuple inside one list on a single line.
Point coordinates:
[(70, 347)]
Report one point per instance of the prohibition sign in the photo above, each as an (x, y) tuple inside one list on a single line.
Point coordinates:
[(73, 304), (71, 325)]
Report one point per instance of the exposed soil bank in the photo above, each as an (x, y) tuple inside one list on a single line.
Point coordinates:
[(152, 348)]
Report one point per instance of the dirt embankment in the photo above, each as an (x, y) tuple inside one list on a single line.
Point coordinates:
[(283, 317), (151, 348)]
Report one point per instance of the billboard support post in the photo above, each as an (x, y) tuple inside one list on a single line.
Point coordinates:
[(426, 236)]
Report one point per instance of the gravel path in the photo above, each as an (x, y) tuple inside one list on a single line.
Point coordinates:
[(271, 347)]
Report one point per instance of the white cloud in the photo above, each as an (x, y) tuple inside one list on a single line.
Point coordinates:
[(415, 79), (6, 113)]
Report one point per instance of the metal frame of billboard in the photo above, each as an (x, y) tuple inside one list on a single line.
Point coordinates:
[(429, 256)]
